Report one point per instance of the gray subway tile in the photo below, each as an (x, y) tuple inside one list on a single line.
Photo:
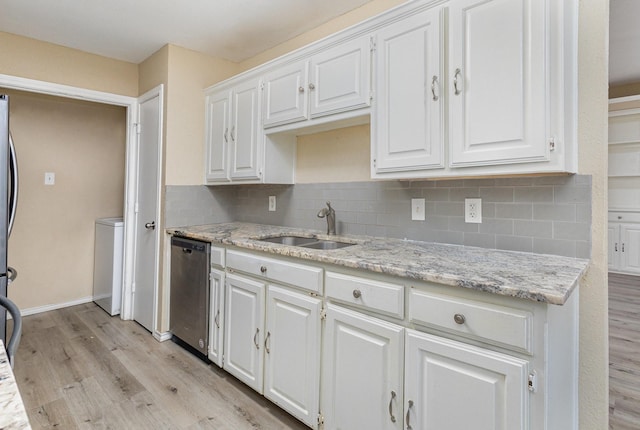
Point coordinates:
[(571, 231), (437, 222), (583, 249), (480, 239), (437, 194), (583, 213), (513, 182), (375, 231), (488, 210), (554, 180), (449, 183), (565, 248), (457, 223), (583, 180), (554, 212), (459, 194), (365, 218), (533, 228), (514, 243), (581, 194), (488, 182), (496, 226), (450, 208), (533, 194), (497, 194), (514, 210), (452, 237)]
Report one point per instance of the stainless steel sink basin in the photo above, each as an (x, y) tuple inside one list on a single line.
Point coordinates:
[(307, 242)]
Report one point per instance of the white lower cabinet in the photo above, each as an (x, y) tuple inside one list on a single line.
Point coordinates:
[(454, 386), (362, 370), (624, 246), (216, 317)]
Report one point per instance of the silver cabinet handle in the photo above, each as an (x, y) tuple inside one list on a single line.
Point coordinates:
[(409, 415), (357, 293), (434, 80), (301, 89), (233, 129), (455, 81), (623, 247), (150, 225), (619, 217), (312, 87), (226, 135), (615, 247), (255, 338), (13, 274), (263, 269), (266, 340), (393, 396), (217, 319), (459, 318)]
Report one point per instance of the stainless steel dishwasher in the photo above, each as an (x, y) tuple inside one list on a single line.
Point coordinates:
[(189, 307)]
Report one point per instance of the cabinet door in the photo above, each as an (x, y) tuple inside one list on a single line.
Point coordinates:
[(408, 110), (285, 94), (216, 318), (217, 137), (630, 247), (339, 79), (362, 372), (292, 353), (614, 246), (245, 131), (244, 330), (497, 82), (454, 386)]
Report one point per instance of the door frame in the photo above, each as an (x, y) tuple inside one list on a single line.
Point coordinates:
[(128, 290), (131, 165)]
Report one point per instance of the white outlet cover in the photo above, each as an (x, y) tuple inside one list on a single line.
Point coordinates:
[(417, 209), (473, 211), (272, 203)]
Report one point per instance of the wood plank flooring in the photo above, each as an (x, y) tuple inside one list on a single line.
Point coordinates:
[(79, 368), (624, 352)]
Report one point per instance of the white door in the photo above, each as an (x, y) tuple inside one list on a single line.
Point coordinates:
[(147, 199), (614, 246), (216, 318), (362, 372), (246, 131), (285, 94), (454, 386), (217, 125), (497, 82), (244, 331), (408, 113), (630, 247), (292, 353), (340, 78)]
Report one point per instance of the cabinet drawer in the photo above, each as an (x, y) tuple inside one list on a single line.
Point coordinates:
[(483, 321), (299, 275), (217, 256), (373, 295)]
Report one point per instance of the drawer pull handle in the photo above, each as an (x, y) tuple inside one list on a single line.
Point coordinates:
[(393, 396), (255, 338), (266, 342), (217, 319), (357, 293), (301, 89), (456, 89), (409, 415), (459, 318), (263, 269)]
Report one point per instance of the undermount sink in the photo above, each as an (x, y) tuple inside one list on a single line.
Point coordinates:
[(307, 242)]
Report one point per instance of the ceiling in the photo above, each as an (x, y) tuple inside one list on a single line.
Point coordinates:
[(624, 42), (132, 30)]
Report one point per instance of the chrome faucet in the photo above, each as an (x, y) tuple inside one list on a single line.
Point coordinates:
[(330, 214)]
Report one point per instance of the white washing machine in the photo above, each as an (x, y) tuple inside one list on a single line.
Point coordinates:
[(107, 267)]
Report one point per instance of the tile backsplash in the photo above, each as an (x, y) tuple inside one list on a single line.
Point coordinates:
[(549, 215)]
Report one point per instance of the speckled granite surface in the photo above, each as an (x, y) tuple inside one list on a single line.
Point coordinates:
[(542, 278), (12, 413)]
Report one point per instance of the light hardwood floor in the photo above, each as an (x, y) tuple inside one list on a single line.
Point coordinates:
[(624, 352), (79, 368)]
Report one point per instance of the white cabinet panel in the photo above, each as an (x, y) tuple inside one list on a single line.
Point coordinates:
[(217, 125), (292, 353), (408, 127), (245, 133), (624, 127), (285, 98), (613, 241), (216, 319), (630, 247), (497, 82), (340, 78), (454, 386), (362, 367), (244, 331)]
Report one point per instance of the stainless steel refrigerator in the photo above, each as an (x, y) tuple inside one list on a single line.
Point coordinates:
[(8, 202)]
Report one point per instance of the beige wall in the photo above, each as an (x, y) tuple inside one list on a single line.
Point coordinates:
[(32, 59), (53, 238)]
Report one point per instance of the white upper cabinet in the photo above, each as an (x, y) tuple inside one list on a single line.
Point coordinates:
[(340, 78), (245, 134), (285, 94), (217, 136), (409, 102), (498, 82)]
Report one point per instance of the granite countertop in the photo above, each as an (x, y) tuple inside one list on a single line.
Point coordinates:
[(543, 278), (12, 413)]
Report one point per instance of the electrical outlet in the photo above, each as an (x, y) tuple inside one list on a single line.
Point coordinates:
[(49, 178), (473, 211), (417, 209), (272, 203)]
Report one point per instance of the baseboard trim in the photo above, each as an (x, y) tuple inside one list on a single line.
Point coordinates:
[(161, 337), (47, 308)]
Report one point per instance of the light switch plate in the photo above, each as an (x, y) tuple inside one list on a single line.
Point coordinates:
[(417, 209), (272, 203), (49, 178)]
